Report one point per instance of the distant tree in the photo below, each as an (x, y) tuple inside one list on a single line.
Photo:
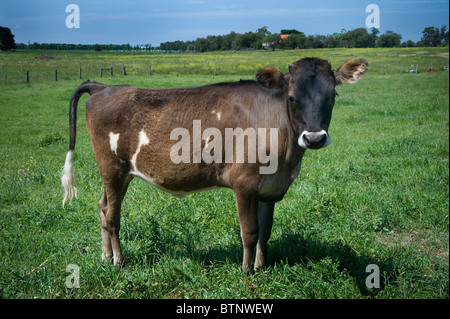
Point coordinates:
[(97, 47), (6, 39), (389, 39), (315, 41), (22, 46), (444, 35), (358, 38), (248, 40), (433, 37), (408, 44), (213, 42), (273, 40), (374, 37), (290, 31), (201, 45), (333, 41), (264, 31), (227, 40), (34, 46), (295, 40)]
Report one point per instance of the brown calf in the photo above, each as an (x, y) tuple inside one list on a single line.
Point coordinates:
[(260, 132)]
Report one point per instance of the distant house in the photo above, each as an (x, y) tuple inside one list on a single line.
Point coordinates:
[(267, 45)]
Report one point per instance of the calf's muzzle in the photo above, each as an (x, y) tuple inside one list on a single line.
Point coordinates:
[(314, 140)]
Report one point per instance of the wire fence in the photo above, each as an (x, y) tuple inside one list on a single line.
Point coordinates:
[(28, 74)]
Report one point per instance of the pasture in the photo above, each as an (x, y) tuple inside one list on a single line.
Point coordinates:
[(379, 194)]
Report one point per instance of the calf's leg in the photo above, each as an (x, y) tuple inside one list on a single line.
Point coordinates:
[(107, 252), (247, 206), (265, 221), (109, 207)]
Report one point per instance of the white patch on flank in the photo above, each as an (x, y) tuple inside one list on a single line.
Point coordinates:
[(113, 139), (68, 179), (218, 115), (143, 140)]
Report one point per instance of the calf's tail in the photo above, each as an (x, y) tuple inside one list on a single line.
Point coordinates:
[(68, 173)]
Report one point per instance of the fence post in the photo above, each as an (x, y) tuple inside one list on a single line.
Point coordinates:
[(124, 72), (111, 72), (149, 71), (215, 71), (101, 72), (28, 77), (56, 75), (79, 73)]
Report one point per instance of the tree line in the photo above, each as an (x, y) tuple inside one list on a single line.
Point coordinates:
[(261, 39), (68, 46), (294, 39)]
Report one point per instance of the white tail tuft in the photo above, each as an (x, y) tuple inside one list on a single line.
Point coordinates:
[(68, 179)]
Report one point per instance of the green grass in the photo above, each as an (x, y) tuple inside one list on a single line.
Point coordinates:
[(13, 65), (377, 195)]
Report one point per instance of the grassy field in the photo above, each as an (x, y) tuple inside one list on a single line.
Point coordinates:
[(379, 194), (13, 66)]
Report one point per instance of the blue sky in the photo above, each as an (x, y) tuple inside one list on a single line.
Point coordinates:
[(144, 22)]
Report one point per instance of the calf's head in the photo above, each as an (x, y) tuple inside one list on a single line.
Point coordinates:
[(309, 87)]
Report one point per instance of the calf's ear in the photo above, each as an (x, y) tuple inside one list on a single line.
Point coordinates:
[(270, 78), (351, 71)]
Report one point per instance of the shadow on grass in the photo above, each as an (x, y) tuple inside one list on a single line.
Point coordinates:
[(296, 249), (290, 249), (293, 249)]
